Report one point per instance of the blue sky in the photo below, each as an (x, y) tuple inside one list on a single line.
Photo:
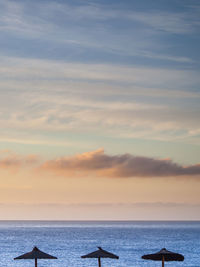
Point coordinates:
[(123, 76), (150, 34)]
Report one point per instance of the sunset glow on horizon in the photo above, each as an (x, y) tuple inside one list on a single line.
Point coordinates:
[(99, 110)]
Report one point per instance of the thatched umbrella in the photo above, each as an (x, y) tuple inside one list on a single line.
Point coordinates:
[(100, 253), (164, 255), (35, 254)]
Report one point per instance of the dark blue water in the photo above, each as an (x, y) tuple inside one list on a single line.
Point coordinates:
[(69, 240)]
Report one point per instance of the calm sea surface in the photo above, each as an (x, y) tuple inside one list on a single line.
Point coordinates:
[(69, 240)]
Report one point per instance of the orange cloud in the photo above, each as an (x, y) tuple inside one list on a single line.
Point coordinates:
[(125, 165), (100, 164), (10, 160)]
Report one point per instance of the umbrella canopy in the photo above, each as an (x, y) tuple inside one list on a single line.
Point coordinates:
[(35, 254), (100, 253), (164, 255)]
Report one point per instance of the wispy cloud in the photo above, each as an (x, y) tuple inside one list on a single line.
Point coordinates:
[(17, 18), (175, 22), (122, 101), (51, 70), (179, 23)]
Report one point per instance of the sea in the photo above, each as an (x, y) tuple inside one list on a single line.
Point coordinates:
[(69, 240)]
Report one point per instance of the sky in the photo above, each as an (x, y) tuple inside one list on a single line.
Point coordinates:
[(99, 109)]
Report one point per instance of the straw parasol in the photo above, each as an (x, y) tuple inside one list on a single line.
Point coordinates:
[(100, 253), (35, 254), (164, 255)]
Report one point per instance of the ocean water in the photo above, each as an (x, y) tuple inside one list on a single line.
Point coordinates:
[(69, 240)]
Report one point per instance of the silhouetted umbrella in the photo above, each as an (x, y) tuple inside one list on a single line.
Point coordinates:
[(35, 254), (100, 253), (164, 255)]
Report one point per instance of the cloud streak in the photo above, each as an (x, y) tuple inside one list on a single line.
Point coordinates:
[(11, 160), (125, 165), (122, 101)]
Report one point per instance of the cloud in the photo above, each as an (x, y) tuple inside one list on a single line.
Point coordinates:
[(169, 21), (29, 69), (11, 160), (179, 23), (125, 165), (17, 18), (98, 164), (129, 102), (173, 22)]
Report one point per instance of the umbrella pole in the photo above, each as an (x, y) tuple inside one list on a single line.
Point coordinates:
[(35, 262), (163, 261), (99, 261)]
